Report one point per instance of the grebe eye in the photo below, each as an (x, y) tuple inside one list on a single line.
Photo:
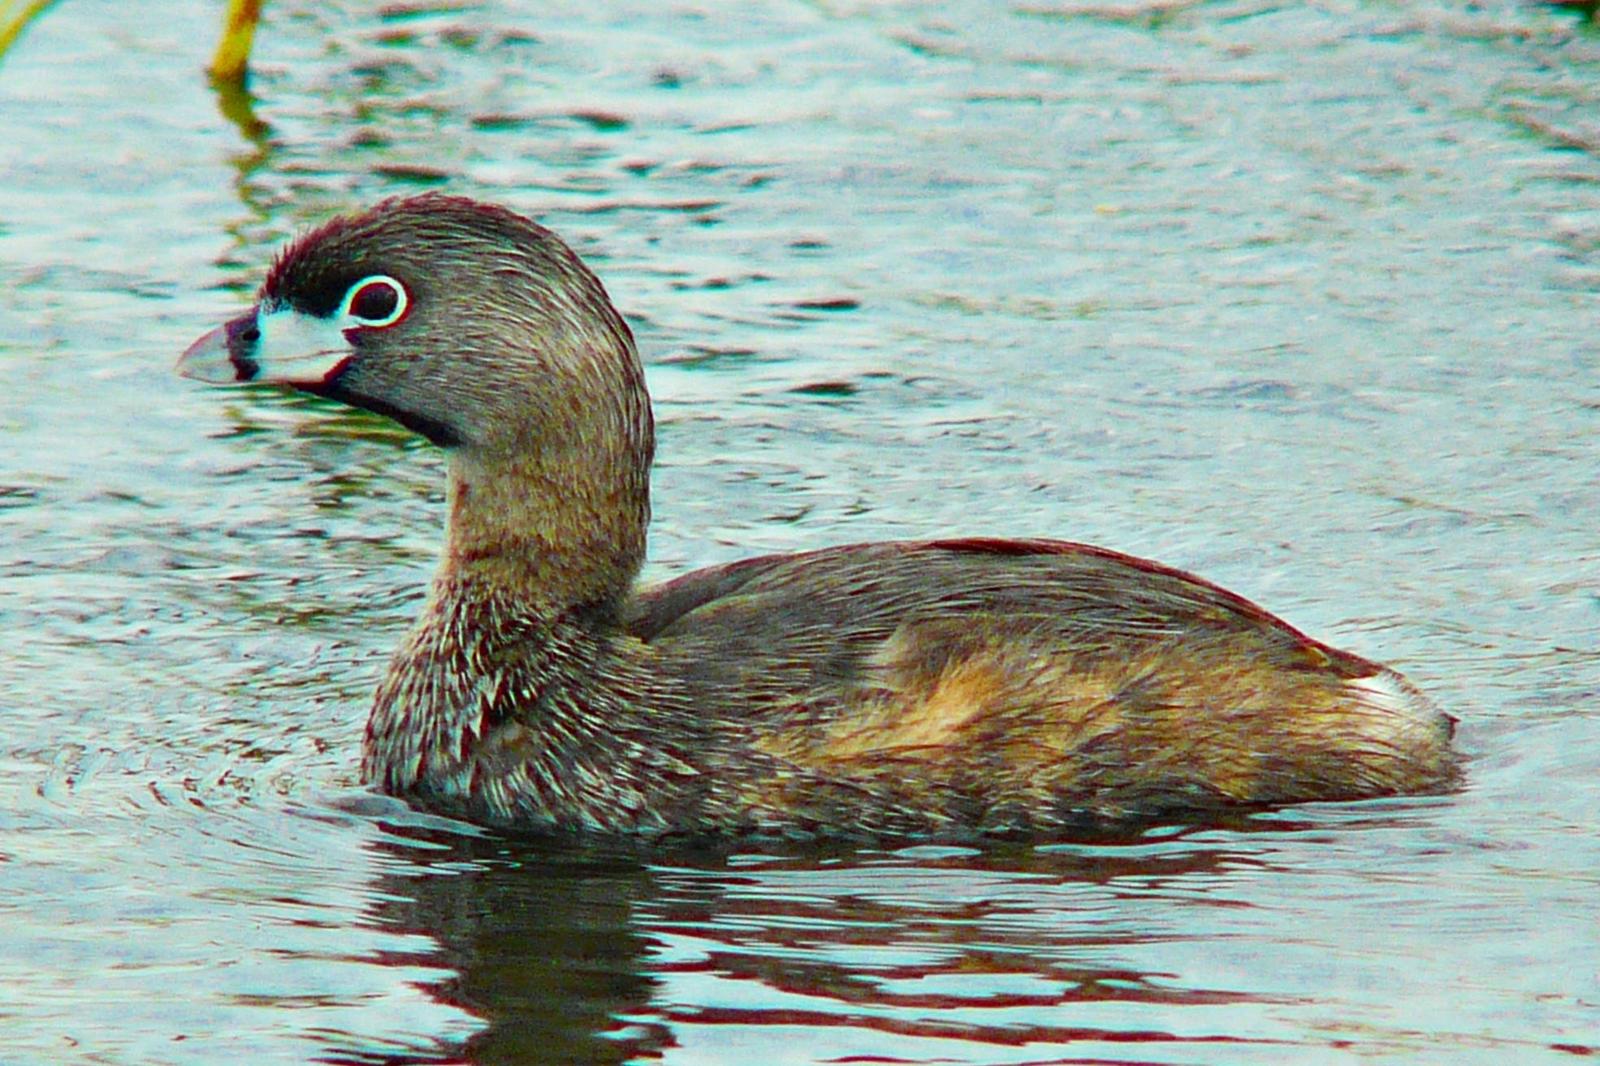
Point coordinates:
[(375, 302)]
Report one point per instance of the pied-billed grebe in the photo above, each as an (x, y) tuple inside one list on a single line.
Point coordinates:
[(945, 688)]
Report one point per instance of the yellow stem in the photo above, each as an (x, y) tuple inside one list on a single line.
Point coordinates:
[(231, 62), (15, 16)]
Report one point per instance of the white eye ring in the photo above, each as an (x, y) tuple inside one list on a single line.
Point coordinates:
[(376, 284)]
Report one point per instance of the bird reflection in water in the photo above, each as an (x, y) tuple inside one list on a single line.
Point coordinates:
[(605, 952)]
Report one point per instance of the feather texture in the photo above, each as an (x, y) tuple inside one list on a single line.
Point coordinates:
[(948, 688)]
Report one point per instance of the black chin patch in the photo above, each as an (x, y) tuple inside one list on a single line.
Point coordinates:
[(439, 433)]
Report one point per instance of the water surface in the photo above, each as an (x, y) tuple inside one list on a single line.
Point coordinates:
[(1299, 296)]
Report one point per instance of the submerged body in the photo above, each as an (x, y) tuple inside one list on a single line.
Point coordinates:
[(944, 688)]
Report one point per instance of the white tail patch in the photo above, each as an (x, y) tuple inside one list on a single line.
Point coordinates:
[(1391, 694)]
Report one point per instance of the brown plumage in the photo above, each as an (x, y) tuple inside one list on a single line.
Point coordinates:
[(947, 688)]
